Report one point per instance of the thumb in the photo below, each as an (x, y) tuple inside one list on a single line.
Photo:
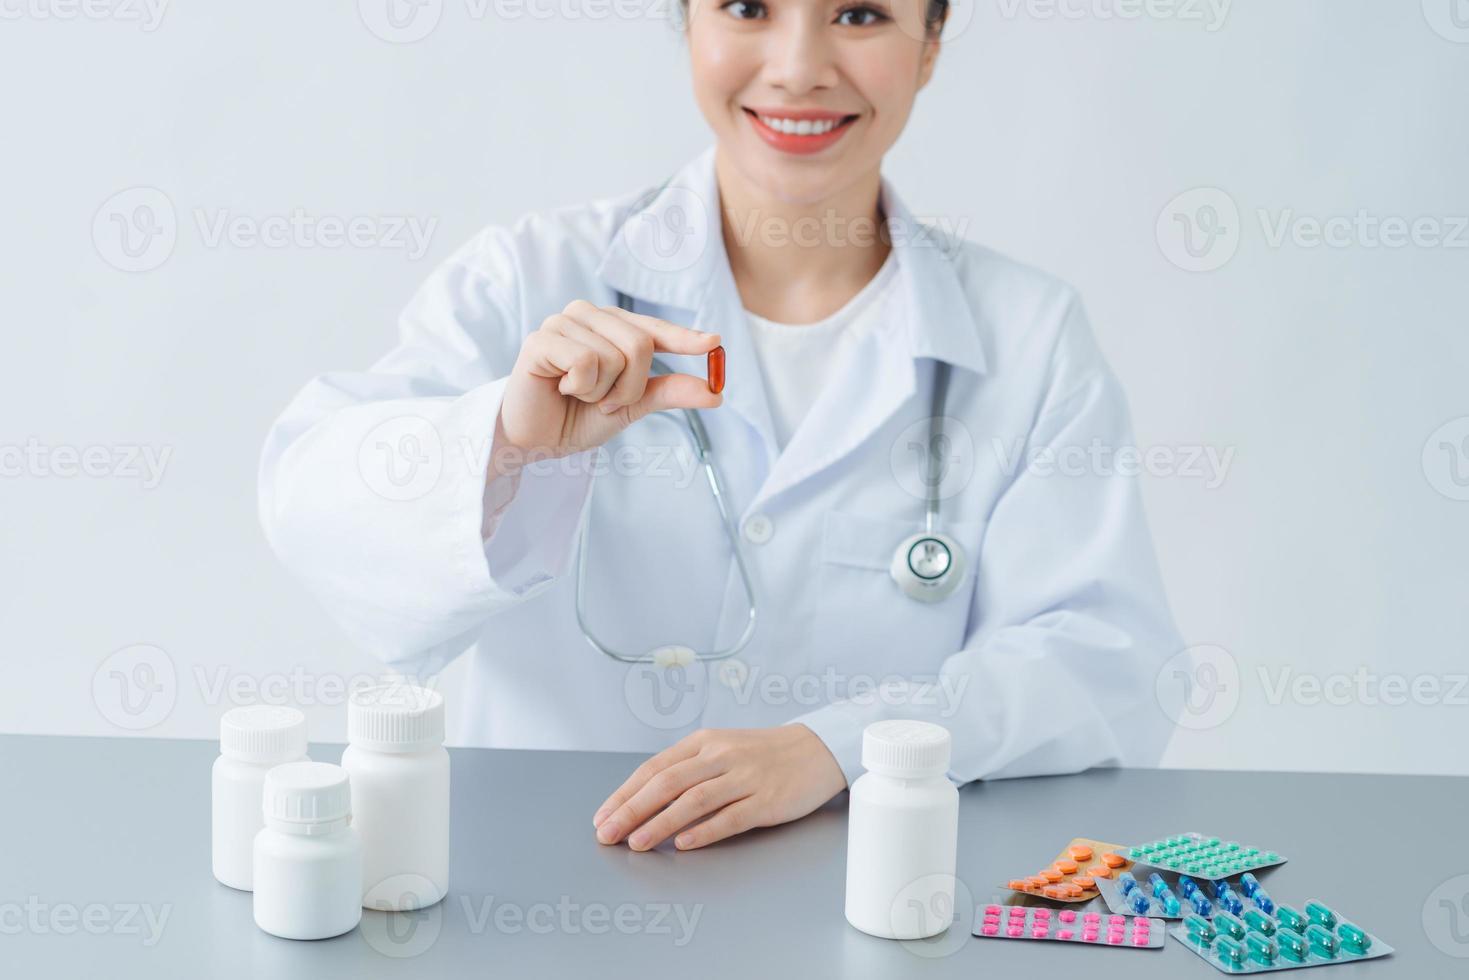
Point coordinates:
[(666, 391)]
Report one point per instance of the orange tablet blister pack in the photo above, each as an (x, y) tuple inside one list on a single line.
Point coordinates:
[(1072, 877)]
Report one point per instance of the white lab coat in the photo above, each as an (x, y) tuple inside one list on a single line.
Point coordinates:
[(1044, 660)]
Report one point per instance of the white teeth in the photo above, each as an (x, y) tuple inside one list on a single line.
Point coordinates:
[(800, 127)]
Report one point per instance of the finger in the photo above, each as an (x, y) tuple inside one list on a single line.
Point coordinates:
[(557, 357), (655, 794), (635, 345), (610, 361), (697, 801), (667, 391), (684, 748), (736, 818), (668, 337)]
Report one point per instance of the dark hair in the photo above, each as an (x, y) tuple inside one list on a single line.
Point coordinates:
[(933, 17)]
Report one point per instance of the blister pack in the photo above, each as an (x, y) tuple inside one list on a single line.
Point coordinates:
[(1203, 857), (1073, 876), (1068, 926), (1165, 897), (1285, 940)]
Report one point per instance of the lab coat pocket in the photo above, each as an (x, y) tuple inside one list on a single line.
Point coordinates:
[(866, 625)]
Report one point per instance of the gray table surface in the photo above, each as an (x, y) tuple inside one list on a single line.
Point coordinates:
[(105, 872)]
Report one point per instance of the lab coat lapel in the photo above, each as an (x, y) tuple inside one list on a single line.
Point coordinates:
[(926, 315)]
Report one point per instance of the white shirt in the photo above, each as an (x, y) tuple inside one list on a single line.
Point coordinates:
[(797, 358), (372, 487)]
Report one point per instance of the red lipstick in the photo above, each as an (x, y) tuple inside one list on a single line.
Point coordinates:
[(796, 142)]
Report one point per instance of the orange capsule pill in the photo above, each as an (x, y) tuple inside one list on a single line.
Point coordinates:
[(1038, 882), (1099, 871), (1082, 881), (1080, 852), (1054, 891), (1113, 860), (716, 370), (1017, 884), (1065, 867), (1073, 890), (1051, 875)]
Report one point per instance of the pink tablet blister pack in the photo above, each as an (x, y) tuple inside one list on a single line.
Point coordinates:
[(1069, 926)]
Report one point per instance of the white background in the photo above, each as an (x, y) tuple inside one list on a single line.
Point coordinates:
[(1334, 544)]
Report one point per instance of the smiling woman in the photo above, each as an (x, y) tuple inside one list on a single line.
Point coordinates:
[(846, 348)]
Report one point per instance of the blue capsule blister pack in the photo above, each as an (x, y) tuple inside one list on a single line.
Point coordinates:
[(1283, 939), (1164, 897)]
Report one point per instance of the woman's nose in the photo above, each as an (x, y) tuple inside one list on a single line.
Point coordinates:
[(799, 56)]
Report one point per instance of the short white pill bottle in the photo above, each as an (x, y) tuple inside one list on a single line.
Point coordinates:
[(400, 794), (308, 858), (252, 741), (902, 833)]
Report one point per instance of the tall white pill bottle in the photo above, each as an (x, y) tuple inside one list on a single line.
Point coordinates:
[(902, 833), (308, 859), (252, 741), (400, 794)]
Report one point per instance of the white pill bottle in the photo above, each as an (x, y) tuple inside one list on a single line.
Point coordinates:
[(308, 859), (902, 833), (400, 794), (252, 741)]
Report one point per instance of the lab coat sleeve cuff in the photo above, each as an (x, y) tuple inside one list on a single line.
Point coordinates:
[(840, 728), (530, 515)]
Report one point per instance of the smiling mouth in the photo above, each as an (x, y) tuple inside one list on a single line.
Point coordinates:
[(799, 127)]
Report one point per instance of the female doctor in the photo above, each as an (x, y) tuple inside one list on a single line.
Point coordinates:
[(516, 480)]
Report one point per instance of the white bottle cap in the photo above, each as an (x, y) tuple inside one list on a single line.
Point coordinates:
[(396, 717), (906, 749), (300, 795), (263, 733)]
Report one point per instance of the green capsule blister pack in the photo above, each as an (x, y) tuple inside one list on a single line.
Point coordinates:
[(1285, 939), (1201, 856)]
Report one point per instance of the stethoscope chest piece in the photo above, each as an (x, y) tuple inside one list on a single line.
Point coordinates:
[(928, 566)]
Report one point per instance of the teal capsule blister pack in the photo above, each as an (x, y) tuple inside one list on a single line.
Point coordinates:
[(1201, 856), (1284, 939)]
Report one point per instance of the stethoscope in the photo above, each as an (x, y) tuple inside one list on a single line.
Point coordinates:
[(927, 566)]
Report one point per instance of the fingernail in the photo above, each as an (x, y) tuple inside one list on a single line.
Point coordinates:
[(639, 840), (607, 408), (601, 815), (607, 833), (683, 840)]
